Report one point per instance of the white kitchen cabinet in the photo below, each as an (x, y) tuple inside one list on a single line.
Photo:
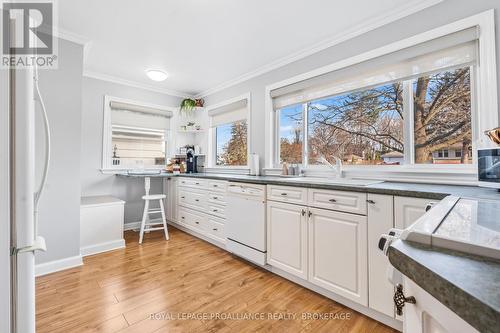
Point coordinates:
[(171, 204), (287, 237), (407, 210), (344, 201), (380, 220), (428, 315), (338, 253)]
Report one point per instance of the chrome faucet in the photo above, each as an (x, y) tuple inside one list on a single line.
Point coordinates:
[(337, 167)]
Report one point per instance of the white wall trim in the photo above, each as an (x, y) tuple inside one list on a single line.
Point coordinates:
[(130, 83), (58, 265), (71, 36), (374, 23), (486, 85), (102, 247)]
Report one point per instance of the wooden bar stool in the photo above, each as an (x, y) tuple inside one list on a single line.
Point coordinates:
[(146, 224)]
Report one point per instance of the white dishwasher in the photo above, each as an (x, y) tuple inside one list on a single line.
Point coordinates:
[(246, 221)]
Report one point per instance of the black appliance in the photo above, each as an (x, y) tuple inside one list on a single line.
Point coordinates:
[(488, 164), (191, 161)]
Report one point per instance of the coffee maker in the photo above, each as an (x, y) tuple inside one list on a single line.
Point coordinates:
[(191, 161)]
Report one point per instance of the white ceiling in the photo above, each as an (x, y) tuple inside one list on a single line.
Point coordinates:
[(203, 44)]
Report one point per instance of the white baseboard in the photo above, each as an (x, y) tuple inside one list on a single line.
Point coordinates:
[(135, 225), (102, 247), (58, 265)]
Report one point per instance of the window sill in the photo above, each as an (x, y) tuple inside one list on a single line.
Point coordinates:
[(112, 171), (454, 175), (243, 170)]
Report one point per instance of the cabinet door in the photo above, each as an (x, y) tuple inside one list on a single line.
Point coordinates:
[(338, 253), (407, 210), (171, 201), (380, 220), (287, 237), (428, 315)]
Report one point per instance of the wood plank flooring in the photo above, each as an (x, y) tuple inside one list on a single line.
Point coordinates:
[(160, 285)]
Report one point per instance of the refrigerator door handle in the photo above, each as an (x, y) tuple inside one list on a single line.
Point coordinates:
[(38, 245)]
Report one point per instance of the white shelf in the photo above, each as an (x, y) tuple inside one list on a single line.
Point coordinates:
[(191, 131)]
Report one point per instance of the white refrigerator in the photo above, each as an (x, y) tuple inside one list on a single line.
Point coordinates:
[(18, 198)]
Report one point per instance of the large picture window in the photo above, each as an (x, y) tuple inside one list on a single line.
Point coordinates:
[(410, 107)]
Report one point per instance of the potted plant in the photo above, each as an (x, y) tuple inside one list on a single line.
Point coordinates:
[(189, 104)]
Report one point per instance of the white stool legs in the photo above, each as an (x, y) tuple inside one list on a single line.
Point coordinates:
[(145, 227)]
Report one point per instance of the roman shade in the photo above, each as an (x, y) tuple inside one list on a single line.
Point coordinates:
[(229, 113), (137, 116), (454, 50)]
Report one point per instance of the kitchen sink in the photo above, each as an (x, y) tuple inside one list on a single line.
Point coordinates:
[(336, 181)]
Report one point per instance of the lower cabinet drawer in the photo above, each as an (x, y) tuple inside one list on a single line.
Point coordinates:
[(290, 194), (193, 219), (343, 201), (215, 229), (217, 210), (217, 198), (201, 184), (193, 199)]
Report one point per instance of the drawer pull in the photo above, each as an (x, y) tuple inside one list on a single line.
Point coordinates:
[(283, 193), (183, 197), (332, 200), (197, 200), (182, 217), (215, 210), (400, 299), (197, 183), (216, 185), (370, 201), (215, 229), (215, 198), (309, 214), (303, 212), (197, 222)]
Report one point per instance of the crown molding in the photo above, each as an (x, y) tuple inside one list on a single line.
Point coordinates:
[(374, 23), (125, 82), (71, 36)]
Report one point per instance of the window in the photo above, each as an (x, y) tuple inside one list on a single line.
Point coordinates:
[(135, 135), (231, 144), (290, 134), (410, 107), (229, 129)]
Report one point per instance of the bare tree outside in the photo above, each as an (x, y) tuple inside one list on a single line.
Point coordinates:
[(367, 126)]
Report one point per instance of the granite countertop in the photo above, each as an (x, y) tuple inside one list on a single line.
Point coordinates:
[(417, 190), (468, 285)]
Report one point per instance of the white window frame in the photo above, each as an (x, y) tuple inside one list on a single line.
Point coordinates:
[(484, 97), (212, 135), (106, 166)]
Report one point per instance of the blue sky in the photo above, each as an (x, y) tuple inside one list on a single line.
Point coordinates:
[(223, 134)]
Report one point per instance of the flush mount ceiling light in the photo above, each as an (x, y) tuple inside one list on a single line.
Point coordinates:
[(156, 75)]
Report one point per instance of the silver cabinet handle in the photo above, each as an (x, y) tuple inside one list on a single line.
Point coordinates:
[(332, 200), (400, 299), (283, 193), (370, 201)]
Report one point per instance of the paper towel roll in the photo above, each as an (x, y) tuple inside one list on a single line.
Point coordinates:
[(254, 164)]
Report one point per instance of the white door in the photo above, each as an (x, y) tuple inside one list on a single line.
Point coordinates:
[(338, 253), (380, 220), (407, 210), (287, 237)]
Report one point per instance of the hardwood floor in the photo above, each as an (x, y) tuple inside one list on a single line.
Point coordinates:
[(158, 286)]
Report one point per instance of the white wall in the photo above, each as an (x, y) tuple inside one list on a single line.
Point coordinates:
[(93, 181), (441, 14), (59, 213), (4, 204)]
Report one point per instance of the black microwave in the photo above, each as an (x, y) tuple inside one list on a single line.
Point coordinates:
[(488, 167)]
